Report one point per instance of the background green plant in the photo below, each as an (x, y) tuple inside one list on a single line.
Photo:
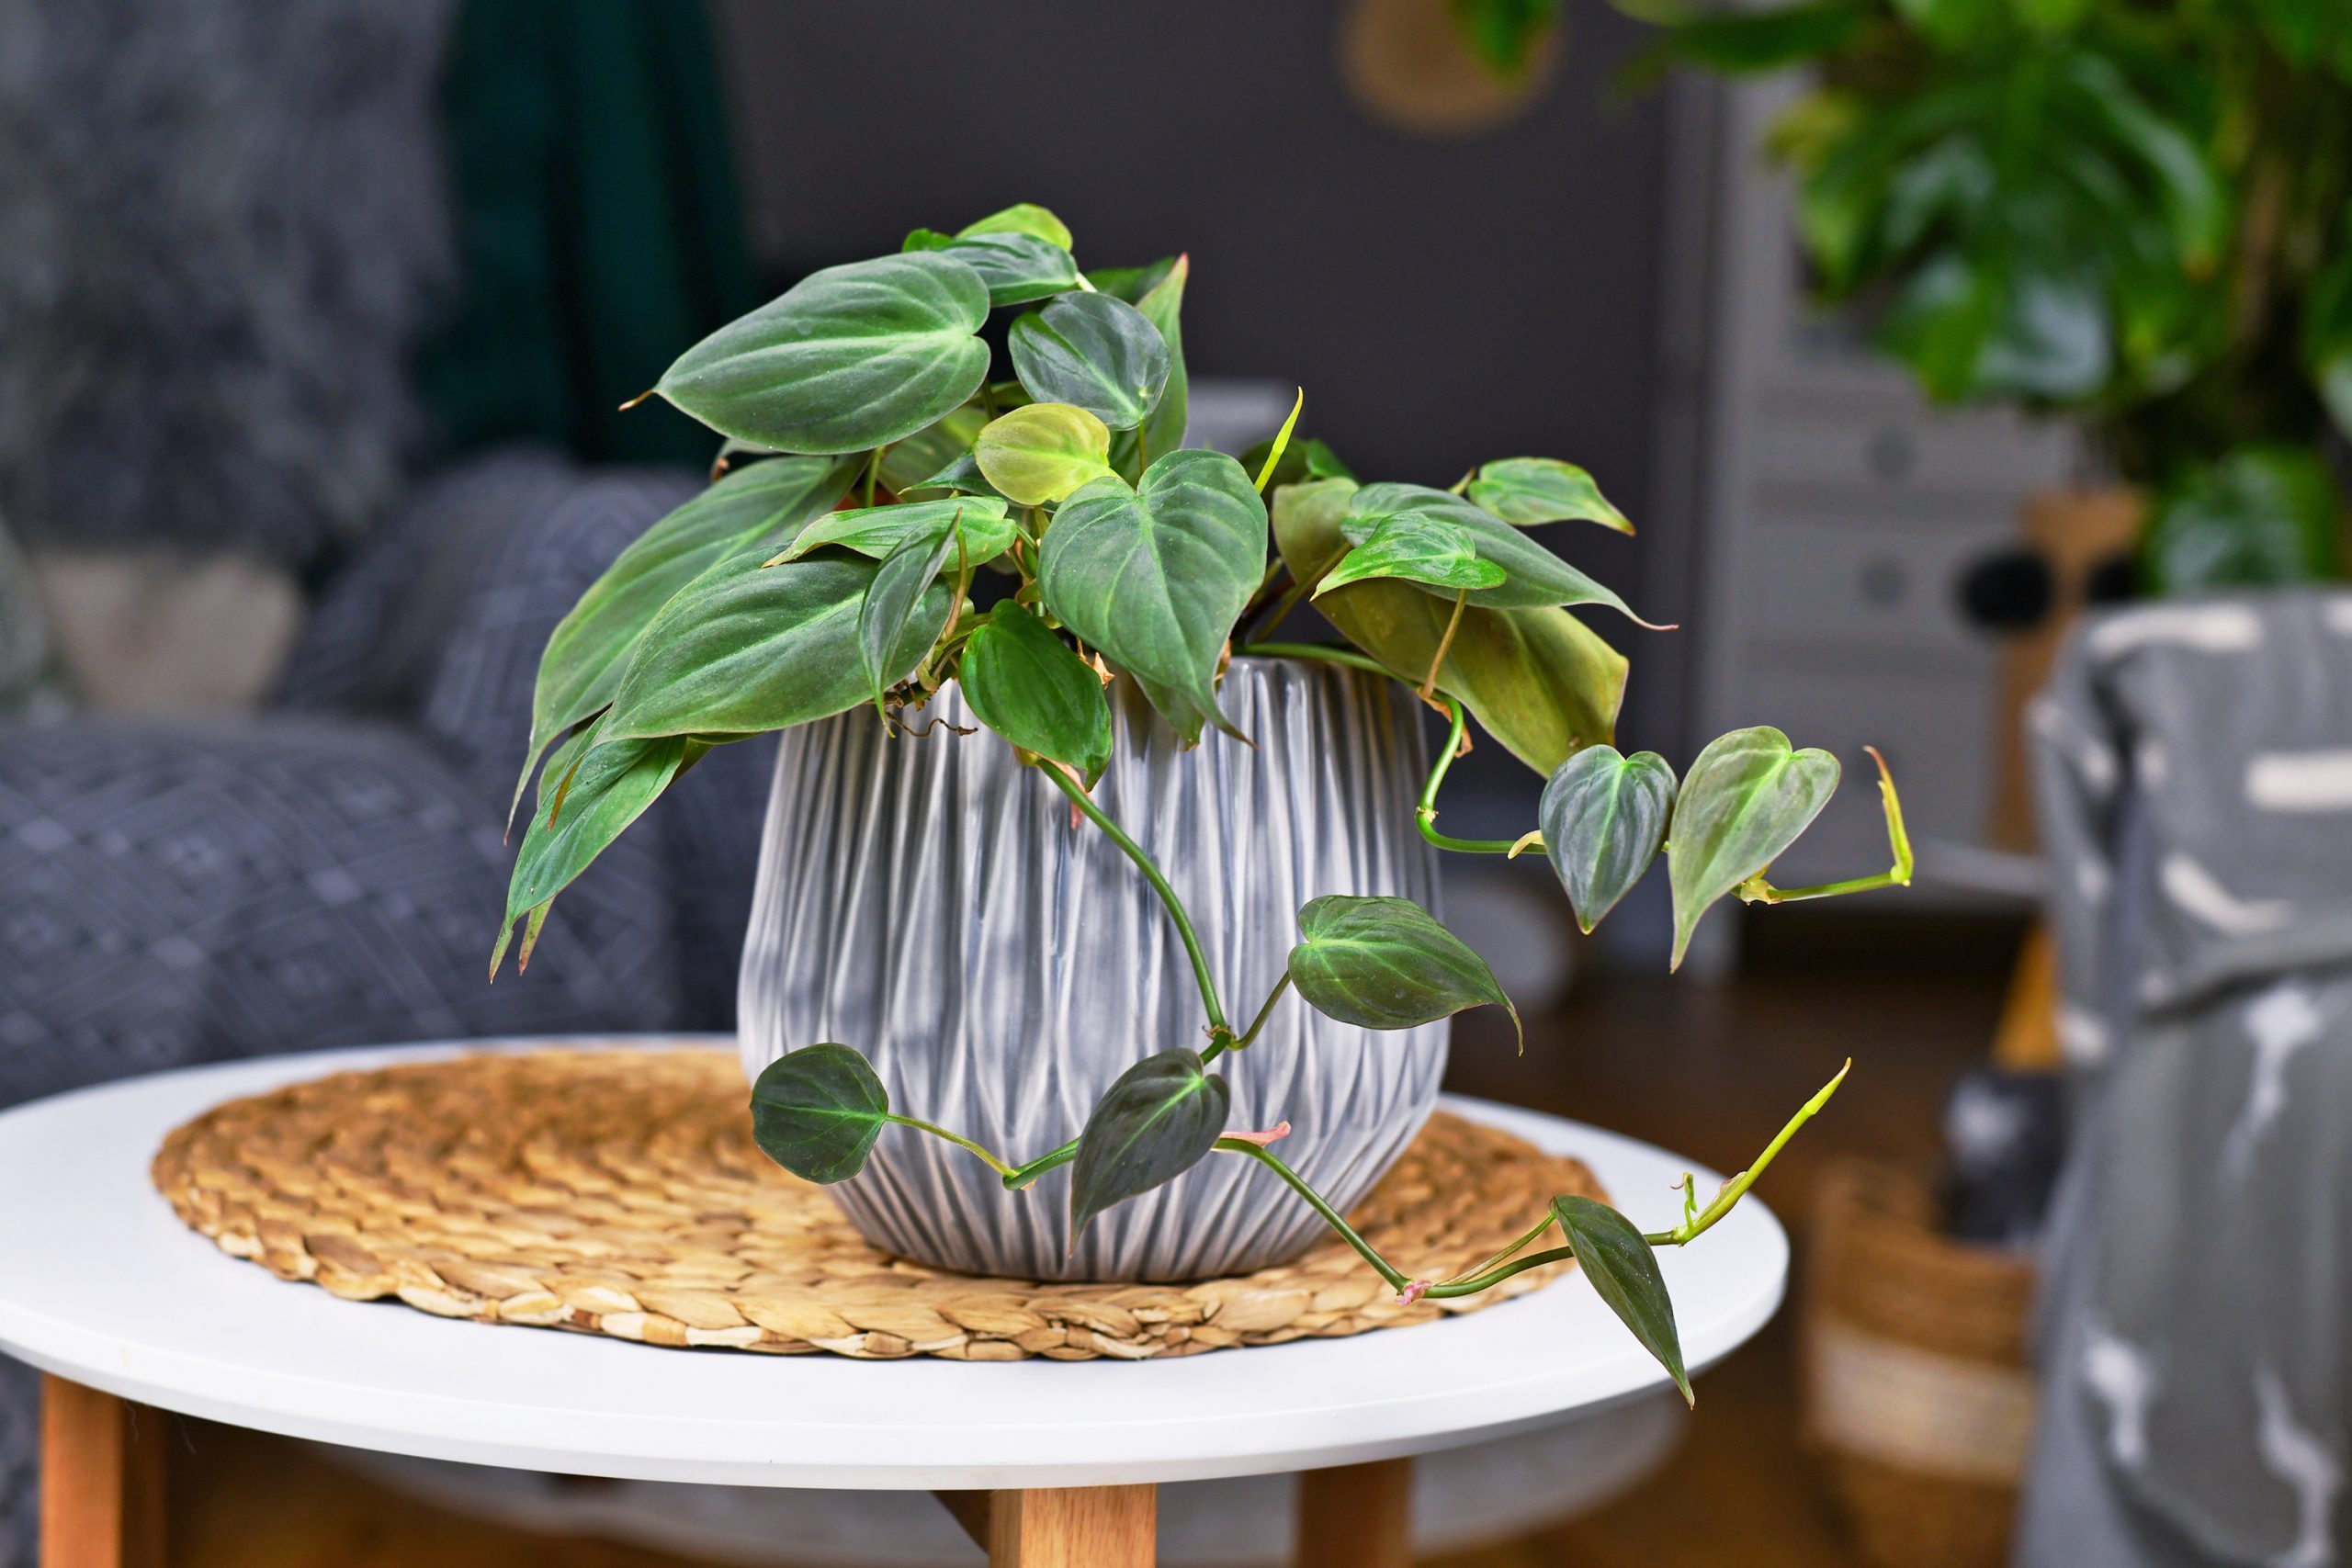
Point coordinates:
[(2135, 212), (890, 512)]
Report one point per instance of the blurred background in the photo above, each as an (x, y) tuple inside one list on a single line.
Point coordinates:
[(1910, 332)]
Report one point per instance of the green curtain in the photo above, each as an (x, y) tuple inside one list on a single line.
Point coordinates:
[(598, 225)]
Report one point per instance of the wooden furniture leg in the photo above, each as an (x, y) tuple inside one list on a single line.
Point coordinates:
[(101, 1479), (1066, 1527), (1358, 1515)]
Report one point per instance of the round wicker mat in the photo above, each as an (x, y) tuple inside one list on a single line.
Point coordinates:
[(619, 1192)]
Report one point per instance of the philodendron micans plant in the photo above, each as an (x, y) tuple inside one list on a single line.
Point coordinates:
[(891, 513)]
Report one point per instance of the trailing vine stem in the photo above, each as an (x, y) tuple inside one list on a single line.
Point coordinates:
[(1425, 814)]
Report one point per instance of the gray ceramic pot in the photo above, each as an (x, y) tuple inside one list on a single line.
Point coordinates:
[(925, 900)]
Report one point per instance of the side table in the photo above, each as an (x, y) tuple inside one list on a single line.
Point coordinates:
[(1048, 1465)]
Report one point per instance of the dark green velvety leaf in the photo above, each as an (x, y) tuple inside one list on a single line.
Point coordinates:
[(1016, 268), (1156, 576), (876, 531), (1042, 452), (1541, 682), (612, 785), (1161, 299), (1414, 548), (751, 647), (1744, 801), (906, 464), (762, 506), (1029, 686), (959, 476), (1603, 816), (1097, 353), (1533, 577), (896, 608), (1527, 491), (1386, 963), (1152, 1125), (816, 1111), (848, 358), (1624, 1274), (1020, 217)]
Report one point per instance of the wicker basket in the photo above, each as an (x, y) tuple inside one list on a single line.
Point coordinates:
[(1917, 1392)]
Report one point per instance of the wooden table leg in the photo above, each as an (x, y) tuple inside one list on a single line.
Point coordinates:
[(1062, 1527), (1358, 1515), (101, 1479)]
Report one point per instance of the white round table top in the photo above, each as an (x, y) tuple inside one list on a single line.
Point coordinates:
[(100, 1283)]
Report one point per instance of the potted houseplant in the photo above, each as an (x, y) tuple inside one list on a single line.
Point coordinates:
[(2137, 216), (1047, 799)]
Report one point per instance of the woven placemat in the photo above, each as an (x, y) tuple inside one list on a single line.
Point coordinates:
[(619, 1192)]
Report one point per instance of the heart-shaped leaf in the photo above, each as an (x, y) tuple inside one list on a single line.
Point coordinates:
[(1020, 217), (760, 506), (1151, 1126), (894, 607), (1016, 268), (1155, 577), (1527, 491), (1094, 351), (876, 531), (1604, 817), (1159, 295), (1541, 682), (816, 1111), (1418, 549), (592, 803), (1624, 1274), (1533, 577), (1744, 801), (1042, 452), (848, 358), (1026, 684), (1386, 963), (750, 647)]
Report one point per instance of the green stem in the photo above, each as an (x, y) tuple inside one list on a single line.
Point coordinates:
[(1756, 890), (1689, 1229), (1494, 1276), (1425, 818), (1023, 1175), (1218, 1028), (873, 473), (956, 1138), (1258, 1022), (1314, 1200), (1323, 652)]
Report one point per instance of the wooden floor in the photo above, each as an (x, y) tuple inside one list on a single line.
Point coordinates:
[(1709, 1070)]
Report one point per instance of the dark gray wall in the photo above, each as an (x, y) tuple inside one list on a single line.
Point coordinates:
[(1440, 302)]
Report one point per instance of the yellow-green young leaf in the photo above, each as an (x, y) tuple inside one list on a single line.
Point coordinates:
[(1016, 268), (1543, 490), (1153, 1124), (759, 507), (1095, 353), (816, 1111), (1426, 549), (1533, 577), (752, 647), (1042, 452), (1745, 800), (1386, 963), (1156, 576), (1020, 217), (1624, 1274), (848, 358), (1603, 816), (1538, 680), (1026, 684), (876, 531)]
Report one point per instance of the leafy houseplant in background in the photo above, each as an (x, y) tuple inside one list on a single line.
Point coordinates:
[(1014, 632), (2136, 214)]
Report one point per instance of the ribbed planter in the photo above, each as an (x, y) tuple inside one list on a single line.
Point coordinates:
[(926, 901)]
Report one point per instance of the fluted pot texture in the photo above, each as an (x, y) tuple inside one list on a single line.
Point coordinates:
[(926, 900)]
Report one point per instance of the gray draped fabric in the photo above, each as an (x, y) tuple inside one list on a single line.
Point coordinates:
[(2195, 766)]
